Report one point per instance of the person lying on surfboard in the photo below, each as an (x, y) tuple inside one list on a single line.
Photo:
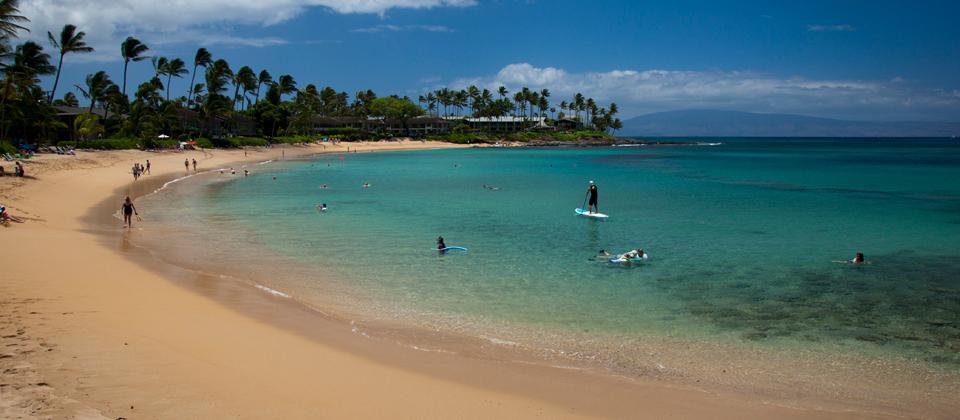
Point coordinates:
[(636, 254)]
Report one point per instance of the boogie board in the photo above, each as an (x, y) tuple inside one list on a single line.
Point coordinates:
[(452, 248), (585, 213)]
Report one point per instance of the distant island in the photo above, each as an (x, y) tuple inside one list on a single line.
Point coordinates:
[(717, 123)]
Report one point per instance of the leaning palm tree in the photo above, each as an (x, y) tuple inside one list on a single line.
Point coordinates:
[(175, 68), (70, 41), (10, 19), (131, 50), (202, 58)]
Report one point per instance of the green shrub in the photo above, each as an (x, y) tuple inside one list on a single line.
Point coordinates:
[(235, 142), (204, 142), (6, 147)]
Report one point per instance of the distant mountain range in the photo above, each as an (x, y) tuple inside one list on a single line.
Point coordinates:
[(715, 123)]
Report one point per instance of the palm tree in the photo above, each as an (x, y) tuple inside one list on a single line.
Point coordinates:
[(175, 68), (131, 50), (503, 92), (29, 62), (245, 77), (97, 85), (544, 94), (263, 77), (159, 66), (10, 19), (70, 41), (202, 58), (286, 84)]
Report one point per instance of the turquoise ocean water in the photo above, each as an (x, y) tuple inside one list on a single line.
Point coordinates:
[(742, 234)]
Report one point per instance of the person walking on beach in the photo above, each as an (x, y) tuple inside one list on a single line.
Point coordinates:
[(194, 165), (18, 169), (128, 211), (186, 165), (148, 166), (592, 204), (135, 171)]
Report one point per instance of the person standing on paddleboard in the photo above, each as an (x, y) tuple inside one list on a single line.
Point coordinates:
[(592, 204)]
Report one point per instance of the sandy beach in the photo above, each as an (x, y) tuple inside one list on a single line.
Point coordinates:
[(92, 327)]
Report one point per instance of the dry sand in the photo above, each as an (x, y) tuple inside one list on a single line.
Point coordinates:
[(92, 328)]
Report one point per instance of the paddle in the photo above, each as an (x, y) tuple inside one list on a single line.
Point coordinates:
[(584, 205)]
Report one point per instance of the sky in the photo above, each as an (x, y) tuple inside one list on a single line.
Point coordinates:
[(876, 60)]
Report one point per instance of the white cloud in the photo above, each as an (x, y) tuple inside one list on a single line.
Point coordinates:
[(642, 91), (831, 28), (107, 22), (399, 28)]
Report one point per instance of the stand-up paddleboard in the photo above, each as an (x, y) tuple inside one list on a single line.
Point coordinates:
[(452, 248), (586, 213)]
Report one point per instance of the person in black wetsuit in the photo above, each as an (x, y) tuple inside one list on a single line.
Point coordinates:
[(128, 211), (440, 244), (592, 204)]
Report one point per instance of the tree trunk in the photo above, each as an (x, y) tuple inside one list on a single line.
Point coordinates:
[(193, 78), (57, 80), (125, 64)]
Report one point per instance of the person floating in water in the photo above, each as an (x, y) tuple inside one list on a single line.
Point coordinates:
[(440, 245), (322, 207), (630, 256), (858, 259), (128, 210), (366, 185), (592, 203)]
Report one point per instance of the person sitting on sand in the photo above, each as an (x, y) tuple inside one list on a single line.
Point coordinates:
[(858, 259), (6, 217), (128, 211), (440, 244)]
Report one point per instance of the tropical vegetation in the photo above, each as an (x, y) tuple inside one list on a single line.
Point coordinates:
[(220, 99)]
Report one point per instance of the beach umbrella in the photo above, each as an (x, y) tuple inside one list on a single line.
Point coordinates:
[(163, 136)]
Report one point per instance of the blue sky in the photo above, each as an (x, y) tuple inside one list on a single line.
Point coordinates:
[(876, 60)]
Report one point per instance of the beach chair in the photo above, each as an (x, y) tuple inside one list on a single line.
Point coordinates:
[(8, 157)]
